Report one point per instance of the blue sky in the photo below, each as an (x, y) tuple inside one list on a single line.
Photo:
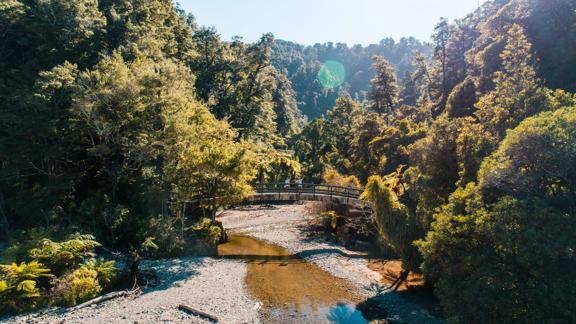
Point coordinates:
[(319, 21)]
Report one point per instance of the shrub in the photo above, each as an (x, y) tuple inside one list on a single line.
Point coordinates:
[(167, 236), (333, 177), (106, 272), (78, 286), (60, 256), (207, 229), (19, 289), (21, 242), (331, 217)]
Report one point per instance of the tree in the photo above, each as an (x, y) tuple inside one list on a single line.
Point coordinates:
[(518, 93), (366, 128), (383, 95), (433, 171), (204, 161), (289, 119), (536, 159), (490, 250), (409, 94), (440, 38), (397, 226)]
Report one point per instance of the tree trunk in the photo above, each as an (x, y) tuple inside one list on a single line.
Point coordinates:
[(403, 276), (213, 209), (3, 218)]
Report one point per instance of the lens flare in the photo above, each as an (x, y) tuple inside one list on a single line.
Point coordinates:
[(332, 74)]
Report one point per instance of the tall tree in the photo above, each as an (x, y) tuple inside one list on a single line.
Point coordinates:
[(383, 95), (440, 38), (518, 93)]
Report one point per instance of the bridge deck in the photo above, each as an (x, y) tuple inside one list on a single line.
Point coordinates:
[(307, 192)]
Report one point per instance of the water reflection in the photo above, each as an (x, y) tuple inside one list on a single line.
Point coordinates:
[(345, 313), (291, 289)]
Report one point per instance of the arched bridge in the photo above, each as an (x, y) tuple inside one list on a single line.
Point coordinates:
[(270, 192)]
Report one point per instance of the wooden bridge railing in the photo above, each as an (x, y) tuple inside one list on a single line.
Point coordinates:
[(309, 188), (317, 190)]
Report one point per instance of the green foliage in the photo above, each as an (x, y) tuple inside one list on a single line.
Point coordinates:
[(19, 289), (80, 285), (397, 226), (500, 263), (207, 229), (21, 242), (105, 270), (462, 100), (434, 169), (302, 64), (67, 254), (517, 94), (26, 286), (331, 176), (538, 158), (167, 234), (502, 250), (384, 91), (275, 166)]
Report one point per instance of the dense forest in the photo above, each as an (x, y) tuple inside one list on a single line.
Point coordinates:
[(301, 64), (115, 113)]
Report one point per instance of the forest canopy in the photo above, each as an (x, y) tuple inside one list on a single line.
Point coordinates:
[(116, 115)]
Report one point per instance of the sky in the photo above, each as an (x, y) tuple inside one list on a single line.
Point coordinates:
[(319, 21)]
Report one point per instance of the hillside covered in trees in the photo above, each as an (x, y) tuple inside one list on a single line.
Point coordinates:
[(115, 114), (473, 182), (302, 64)]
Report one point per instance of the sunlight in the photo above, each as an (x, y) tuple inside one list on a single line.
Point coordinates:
[(332, 74)]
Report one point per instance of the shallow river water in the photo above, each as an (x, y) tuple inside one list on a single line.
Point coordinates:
[(291, 289)]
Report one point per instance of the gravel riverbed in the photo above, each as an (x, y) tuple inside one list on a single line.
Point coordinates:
[(285, 225), (217, 286)]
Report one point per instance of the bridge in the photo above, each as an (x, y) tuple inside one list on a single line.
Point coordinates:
[(271, 192), (279, 192)]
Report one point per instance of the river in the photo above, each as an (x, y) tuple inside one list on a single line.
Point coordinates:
[(290, 288)]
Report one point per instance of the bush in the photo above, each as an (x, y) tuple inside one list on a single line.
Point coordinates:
[(502, 251), (106, 272), (167, 236), (26, 286), (21, 242), (19, 289), (333, 177), (76, 287), (60, 256), (208, 230)]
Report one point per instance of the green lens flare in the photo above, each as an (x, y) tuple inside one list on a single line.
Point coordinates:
[(332, 74)]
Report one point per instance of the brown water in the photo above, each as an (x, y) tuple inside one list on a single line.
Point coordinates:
[(291, 289)]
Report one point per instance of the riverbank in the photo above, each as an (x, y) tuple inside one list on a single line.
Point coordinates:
[(286, 226), (213, 285), (218, 286)]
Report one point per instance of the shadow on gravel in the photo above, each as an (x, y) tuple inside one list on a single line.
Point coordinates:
[(398, 307), (330, 251), (171, 272)]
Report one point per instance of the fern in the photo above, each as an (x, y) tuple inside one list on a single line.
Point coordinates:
[(105, 270), (18, 287), (68, 254)]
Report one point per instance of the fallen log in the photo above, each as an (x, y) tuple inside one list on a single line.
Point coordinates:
[(98, 300), (188, 309)]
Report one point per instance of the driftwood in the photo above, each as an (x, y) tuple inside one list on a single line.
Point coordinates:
[(188, 309), (100, 299)]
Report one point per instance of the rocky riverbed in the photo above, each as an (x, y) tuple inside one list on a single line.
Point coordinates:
[(217, 286)]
